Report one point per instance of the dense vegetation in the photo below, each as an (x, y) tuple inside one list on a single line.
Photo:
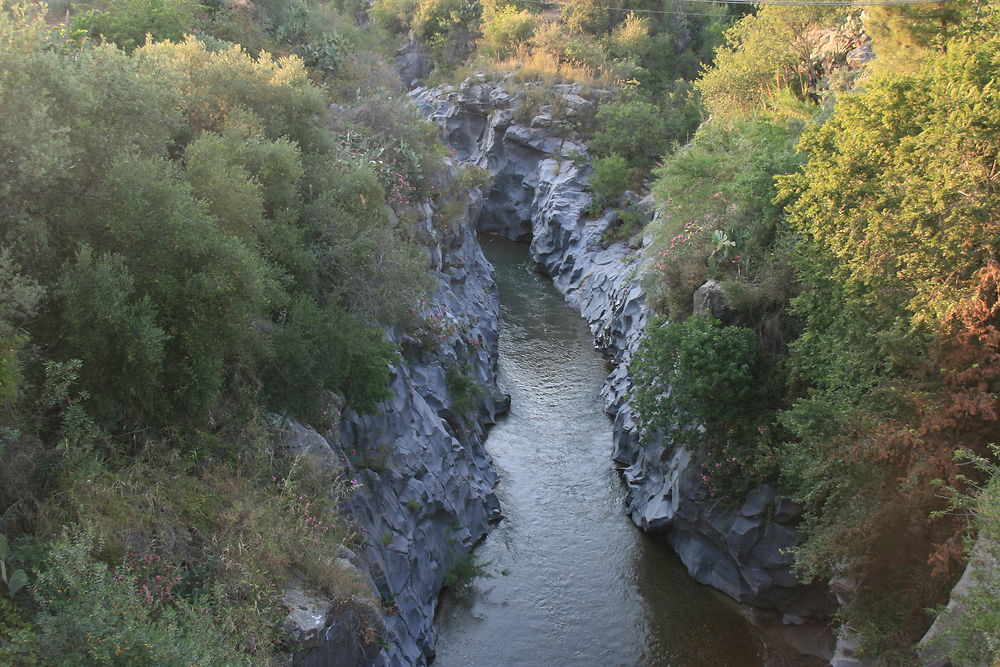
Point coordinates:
[(192, 238), (189, 241), (850, 215)]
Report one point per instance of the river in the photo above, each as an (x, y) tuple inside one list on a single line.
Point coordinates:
[(570, 580)]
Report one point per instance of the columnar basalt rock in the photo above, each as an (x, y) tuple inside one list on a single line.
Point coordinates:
[(421, 479), (540, 193)]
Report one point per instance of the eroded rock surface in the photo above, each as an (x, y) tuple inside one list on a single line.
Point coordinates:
[(422, 481)]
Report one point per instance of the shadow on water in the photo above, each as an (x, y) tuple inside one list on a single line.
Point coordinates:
[(571, 580)]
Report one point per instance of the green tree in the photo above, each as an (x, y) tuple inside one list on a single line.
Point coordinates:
[(765, 53), (107, 323), (128, 22), (633, 129), (699, 372), (898, 212), (505, 29), (609, 180), (899, 184), (324, 349), (19, 299), (903, 36)]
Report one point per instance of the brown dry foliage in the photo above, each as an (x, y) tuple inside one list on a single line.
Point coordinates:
[(953, 403)]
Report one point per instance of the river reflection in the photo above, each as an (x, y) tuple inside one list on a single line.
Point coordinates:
[(571, 582)]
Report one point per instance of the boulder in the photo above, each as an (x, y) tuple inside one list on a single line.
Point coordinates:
[(322, 634), (711, 299)]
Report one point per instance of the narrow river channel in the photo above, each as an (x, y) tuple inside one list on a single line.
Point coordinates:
[(571, 581)]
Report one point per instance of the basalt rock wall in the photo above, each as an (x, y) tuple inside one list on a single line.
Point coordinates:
[(539, 192), (421, 479)]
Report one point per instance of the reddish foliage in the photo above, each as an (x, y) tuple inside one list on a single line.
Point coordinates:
[(952, 403)]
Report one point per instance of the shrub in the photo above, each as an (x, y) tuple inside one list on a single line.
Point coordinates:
[(464, 392), (631, 39), (127, 22), (722, 183), (395, 16), (608, 181), (437, 21), (628, 222), (505, 29), (766, 52), (324, 349), (632, 129), (707, 385), (92, 615), (463, 572)]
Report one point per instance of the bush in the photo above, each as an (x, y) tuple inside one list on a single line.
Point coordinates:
[(93, 615), (708, 386), (463, 572), (438, 21), (766, 53), (127, 22), (195, 247), (396, 16), (324, 349), (722, 183), (506, 29), (632, 129), (463, 391), (608, 182), (699, 372)]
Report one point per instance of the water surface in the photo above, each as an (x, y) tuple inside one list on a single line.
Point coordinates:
[(572, 581)]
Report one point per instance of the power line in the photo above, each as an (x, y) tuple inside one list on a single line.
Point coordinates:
[(788, 3), (548, 3)]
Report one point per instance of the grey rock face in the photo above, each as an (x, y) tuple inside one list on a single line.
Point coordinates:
[(540, 191), (426, 492), (412, 62), (422, 480)]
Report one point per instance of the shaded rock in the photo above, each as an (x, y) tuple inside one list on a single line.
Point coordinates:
[(757, 500), (786, 510), (861, 55), (412, 62), (303, 441), (711, 299), (846, 652), (321, 634)]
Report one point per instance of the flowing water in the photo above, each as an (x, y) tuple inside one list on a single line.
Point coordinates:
[(571, 580)]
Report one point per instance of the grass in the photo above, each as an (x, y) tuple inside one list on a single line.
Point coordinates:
[(237, 528), (463, 572)]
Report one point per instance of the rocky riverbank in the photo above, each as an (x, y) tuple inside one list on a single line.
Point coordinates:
[(422, 479), (540, 171)]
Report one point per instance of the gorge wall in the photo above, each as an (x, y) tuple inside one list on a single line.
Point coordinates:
[(539, 192), (422, 481)]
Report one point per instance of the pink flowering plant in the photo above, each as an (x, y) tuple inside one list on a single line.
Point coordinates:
[(400, 193), (432, 325), (730, 471), (154, 579), (310, 507)]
